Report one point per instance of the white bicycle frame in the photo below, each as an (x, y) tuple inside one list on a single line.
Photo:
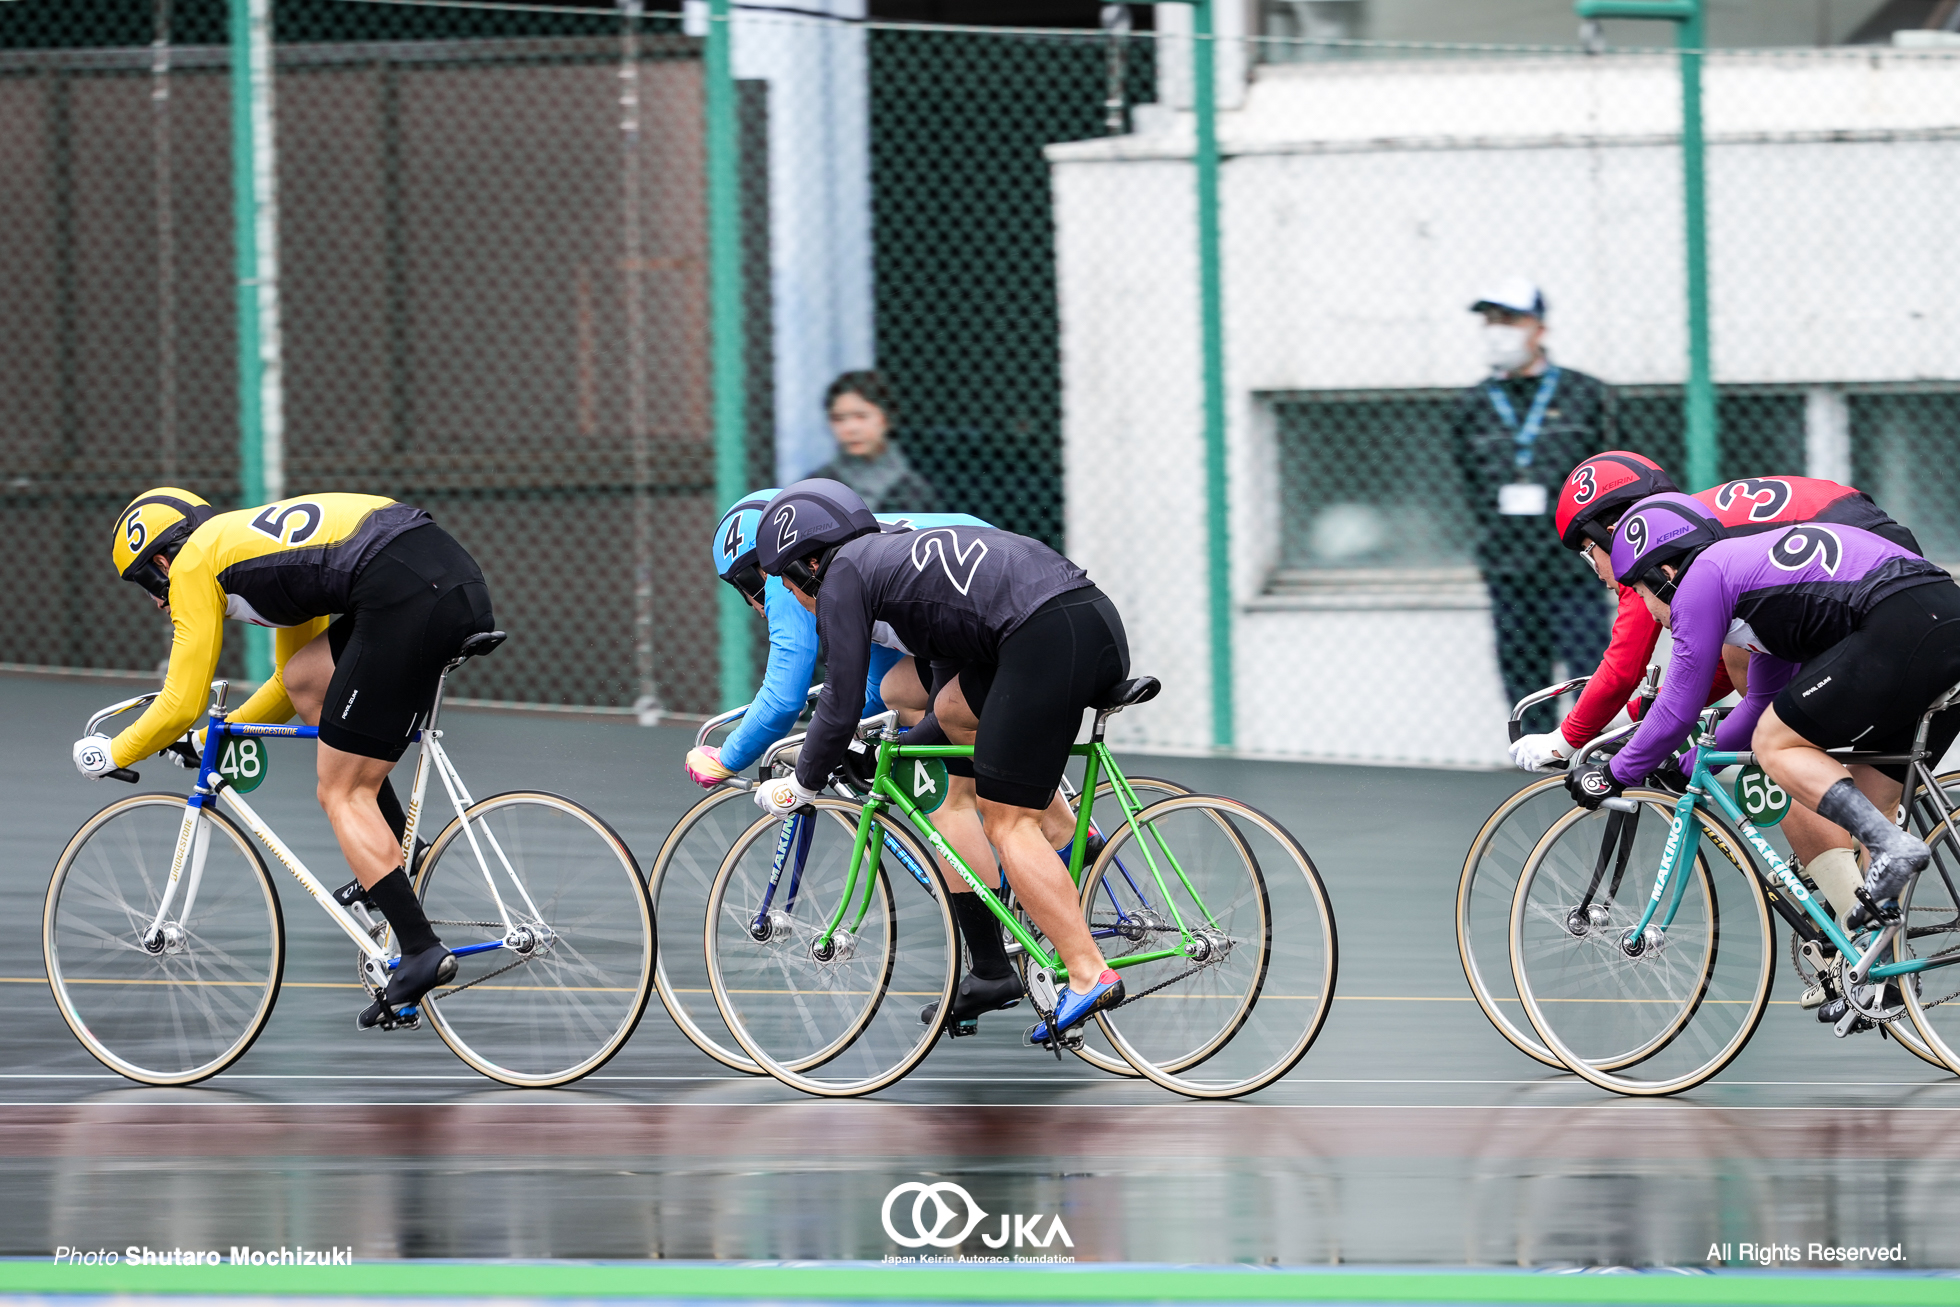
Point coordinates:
[(194, 838)]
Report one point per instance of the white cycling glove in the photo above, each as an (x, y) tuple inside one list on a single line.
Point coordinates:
[(1537, 752), (781, 797), (92, 756)]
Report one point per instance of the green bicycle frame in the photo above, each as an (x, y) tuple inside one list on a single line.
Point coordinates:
[(886, 793)]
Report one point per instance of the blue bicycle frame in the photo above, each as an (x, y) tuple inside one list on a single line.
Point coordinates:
[(1684, 840)]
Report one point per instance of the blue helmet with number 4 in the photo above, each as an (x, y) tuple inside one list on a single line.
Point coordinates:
[(1670, 528), (735, 543)]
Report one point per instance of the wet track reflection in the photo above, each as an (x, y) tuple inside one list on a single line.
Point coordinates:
[(1411, 1133), (494, 1177)]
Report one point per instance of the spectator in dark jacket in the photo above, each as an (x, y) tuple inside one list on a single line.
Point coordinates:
[(1516, 436), (861, 412)]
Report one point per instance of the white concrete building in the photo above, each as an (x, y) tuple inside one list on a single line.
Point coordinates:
[(1363, 205)]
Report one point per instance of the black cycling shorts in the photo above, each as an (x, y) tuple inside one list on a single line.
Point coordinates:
[(411, 608), (1870, 689), (1067, 654)]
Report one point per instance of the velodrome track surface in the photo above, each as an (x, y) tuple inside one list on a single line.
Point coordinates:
[(1411, 1133)]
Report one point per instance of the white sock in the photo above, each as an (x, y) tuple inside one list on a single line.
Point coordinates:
[(1836, 873)]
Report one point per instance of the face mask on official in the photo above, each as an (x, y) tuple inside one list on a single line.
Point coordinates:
[(1506, 348)]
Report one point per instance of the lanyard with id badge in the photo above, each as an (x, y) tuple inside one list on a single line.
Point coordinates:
[(1522, 498)]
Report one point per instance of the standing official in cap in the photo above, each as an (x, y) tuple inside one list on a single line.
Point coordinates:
[(1516, 435)]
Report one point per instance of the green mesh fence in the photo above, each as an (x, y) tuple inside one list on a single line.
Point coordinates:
[(1001, 224)]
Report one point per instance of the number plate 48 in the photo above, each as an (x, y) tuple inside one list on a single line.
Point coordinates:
[(243, 764), (1761, 799)]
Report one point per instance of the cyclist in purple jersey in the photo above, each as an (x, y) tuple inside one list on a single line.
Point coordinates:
[(1853, 638)]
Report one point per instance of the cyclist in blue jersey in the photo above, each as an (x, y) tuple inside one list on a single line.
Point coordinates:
[(1852, 638), (895, 680)]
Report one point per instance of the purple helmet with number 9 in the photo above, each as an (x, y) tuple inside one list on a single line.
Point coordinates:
[(810, 517), (1668, 528)]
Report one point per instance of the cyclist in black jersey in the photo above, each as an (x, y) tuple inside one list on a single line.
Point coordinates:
[(1020, 643)]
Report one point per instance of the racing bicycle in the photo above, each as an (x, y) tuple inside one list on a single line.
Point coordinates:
[(828, 964), (683, 873), (165, 939), (1642, 934)]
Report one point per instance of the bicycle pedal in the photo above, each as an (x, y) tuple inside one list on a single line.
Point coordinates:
[(1813, 997), (961, 1029)]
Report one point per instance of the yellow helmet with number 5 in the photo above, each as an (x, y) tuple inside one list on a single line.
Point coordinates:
[(156, 522)]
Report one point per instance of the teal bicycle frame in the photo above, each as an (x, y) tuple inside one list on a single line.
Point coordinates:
[(887, 793), (1684, 840)]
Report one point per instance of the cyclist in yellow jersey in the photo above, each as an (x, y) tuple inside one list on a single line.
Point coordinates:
[(408, 596)]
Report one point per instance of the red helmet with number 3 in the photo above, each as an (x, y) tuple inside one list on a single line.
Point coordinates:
[(1600, 490)]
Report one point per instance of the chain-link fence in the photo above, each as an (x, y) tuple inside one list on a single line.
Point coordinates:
[(494, 250)]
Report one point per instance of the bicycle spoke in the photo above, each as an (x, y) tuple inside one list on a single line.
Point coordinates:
[(558, 1012), (192, 1008)]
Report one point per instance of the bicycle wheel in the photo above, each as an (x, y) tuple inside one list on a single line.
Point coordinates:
[(813, 1011), (678, 885), (557, 1005), (1240, 1004), (1483, 906), (1932, 912), (1669, 1014), (191, 1008), (1094, 1049)]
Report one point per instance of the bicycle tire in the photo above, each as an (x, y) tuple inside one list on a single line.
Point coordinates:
[(834, 1016), (577, 998), (1490, 876), (106, 984), (1706, 1010), (681, 874), (1938, 898), (1241, 1027)]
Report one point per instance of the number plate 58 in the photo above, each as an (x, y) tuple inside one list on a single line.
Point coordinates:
[(1761, 799)]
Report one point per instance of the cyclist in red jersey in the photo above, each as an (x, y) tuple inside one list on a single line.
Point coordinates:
[(1595, 496)]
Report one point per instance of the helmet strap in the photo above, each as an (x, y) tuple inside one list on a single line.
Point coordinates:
[(806, 578)]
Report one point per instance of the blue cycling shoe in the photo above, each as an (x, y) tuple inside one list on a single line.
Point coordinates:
[(1072, 1009)]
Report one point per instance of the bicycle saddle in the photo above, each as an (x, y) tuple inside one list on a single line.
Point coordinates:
[(481, 643), (1124, 694)]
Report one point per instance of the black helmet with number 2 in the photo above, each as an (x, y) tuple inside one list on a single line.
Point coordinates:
[(809, 518)]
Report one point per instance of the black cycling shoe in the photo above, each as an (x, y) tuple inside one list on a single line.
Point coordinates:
[(974, 997), (416, 976)]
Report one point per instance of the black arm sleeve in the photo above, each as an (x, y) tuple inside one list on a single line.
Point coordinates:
[(844, 627)]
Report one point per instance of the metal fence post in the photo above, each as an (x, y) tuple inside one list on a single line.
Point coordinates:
[(726, 325), (1204, 103), (1704, 448), (255, 220)]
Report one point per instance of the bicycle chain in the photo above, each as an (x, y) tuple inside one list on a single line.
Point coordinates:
[(485, 976), (487, 925)]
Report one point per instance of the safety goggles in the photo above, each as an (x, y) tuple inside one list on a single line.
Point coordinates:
[(749, 580)]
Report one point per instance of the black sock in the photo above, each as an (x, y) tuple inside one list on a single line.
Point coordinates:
[(981, 931), (391, 809), (1844, 804), (396, 899)]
